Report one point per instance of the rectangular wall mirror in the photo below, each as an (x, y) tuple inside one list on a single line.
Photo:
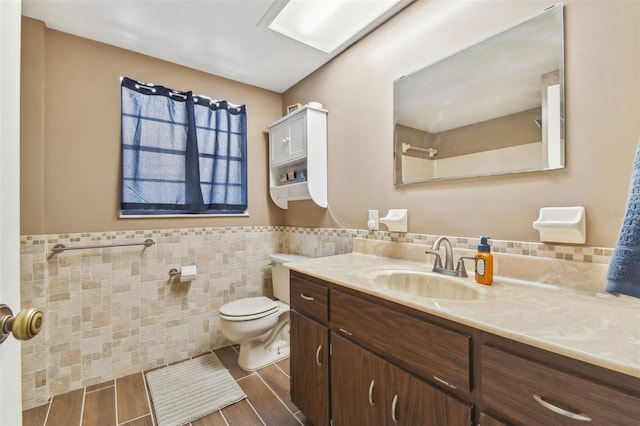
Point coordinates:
[(493, 108)]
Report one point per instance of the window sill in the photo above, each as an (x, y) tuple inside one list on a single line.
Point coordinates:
[(181, 216)]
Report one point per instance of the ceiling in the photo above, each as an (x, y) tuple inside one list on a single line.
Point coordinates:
[(227, 38)]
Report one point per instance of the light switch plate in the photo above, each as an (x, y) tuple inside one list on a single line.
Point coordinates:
[(372, 222)]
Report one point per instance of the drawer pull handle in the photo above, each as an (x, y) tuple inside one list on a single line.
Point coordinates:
[(371, 385), (345, 332), (305, 297), (394, 404), (445, 383), (318, 356), (576, 416)]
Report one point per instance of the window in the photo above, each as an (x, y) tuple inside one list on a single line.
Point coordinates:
[(181, 154)]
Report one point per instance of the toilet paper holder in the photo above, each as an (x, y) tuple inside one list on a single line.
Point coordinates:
[(184, 274)]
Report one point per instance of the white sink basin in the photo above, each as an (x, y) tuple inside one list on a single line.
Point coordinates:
[(426, 284)]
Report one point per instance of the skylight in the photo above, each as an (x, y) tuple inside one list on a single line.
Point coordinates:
[(328, 24)]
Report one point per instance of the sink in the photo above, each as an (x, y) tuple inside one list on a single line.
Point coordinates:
[(426, 284)]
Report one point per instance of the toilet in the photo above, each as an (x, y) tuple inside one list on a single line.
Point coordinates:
[(259, 324)]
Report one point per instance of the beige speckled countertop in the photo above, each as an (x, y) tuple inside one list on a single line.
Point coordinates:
[(596, 328)]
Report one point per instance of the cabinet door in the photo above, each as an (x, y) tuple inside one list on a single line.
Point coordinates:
[(279, 143), (288, 140), (309, 358), (357, 385), (414, 402), (366, 390), (297, 136)]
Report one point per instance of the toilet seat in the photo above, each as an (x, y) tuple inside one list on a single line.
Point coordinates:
[(250, 308)]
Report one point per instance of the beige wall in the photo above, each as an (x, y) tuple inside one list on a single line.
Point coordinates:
[(602, 64), (70, 118), (70, 127)]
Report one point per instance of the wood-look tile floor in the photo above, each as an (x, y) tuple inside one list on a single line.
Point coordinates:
[(125, 401)]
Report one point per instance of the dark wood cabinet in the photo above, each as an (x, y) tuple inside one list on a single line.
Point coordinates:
[(391, 365), (432, 352), (415, 402), (526, 392), (366, 390), (309, 358), (310, 299), (357, 385)]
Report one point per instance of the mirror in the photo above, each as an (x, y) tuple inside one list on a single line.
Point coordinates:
[(493, 108)]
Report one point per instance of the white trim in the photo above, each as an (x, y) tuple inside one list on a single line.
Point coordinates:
[(182, 216), (10, 355)]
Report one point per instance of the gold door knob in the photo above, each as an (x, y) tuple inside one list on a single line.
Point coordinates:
[(24, 326)]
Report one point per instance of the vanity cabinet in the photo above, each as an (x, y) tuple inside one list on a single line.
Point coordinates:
[(378, 359), (388, 361), (526, 392), (298, 157)]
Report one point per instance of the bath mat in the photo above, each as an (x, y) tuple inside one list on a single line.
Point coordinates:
[(191, 389)]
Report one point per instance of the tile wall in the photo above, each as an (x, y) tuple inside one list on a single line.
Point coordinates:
[(115, 311)]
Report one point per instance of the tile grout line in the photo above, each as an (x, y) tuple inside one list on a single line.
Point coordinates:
[(146, 391), (134, 419), (96, 390), (223, 417), (280, 368), (46, 417), (276, 395), (256, 411), (115, 399), (84, 398), (249, 402)]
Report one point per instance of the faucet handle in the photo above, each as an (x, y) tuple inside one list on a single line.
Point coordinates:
[(436, 263), (460, 269)]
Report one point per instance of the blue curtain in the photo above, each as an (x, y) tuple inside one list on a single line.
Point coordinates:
[(181, 153)]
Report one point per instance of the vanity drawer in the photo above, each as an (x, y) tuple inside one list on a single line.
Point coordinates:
[(529, 393), (434, 353), (309, 298)]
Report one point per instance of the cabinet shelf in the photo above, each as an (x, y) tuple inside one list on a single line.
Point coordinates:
[(298, 142)]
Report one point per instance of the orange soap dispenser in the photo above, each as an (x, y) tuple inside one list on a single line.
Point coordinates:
[(484, 262)]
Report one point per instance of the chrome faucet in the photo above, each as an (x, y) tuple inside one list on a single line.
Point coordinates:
[(459, 271)]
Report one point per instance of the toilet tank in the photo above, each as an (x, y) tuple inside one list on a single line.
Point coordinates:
[(280, 274)]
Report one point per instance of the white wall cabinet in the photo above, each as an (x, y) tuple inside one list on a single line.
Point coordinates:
[(298, 157), (288, 141)]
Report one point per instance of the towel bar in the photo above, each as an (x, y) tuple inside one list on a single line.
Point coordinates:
[(58, 248)]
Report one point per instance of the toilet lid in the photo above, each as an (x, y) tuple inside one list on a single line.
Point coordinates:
[(253, 307)]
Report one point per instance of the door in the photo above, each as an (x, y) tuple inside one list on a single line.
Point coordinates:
[(357, 385), (309, 358), (10, 366), (414, 402), (297, 136), (279, 143)]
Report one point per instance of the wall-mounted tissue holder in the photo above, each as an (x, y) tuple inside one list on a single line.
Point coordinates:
[(396, 220), (186, 273), (562, 225)]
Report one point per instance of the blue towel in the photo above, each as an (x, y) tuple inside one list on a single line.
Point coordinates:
[(624, 269)]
